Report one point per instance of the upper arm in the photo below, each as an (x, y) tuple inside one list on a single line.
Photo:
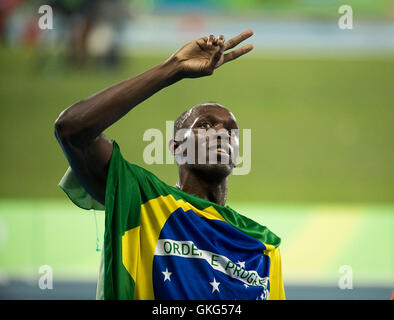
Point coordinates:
[(89, 162)]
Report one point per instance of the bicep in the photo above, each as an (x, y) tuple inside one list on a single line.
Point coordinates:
[(90, 164)]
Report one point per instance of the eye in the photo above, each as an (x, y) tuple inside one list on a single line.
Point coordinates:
[(205, 125)]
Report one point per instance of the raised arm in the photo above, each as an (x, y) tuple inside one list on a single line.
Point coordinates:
[(79, 128)]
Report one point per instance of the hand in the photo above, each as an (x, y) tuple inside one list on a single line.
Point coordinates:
[(201, 57)]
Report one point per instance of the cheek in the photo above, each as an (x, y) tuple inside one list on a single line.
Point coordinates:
[(235, 145), (235, 142)]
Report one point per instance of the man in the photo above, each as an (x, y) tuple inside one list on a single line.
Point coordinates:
[(164, 242)]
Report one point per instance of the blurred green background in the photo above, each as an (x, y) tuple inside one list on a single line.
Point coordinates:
[(322, 141), (322, 130)]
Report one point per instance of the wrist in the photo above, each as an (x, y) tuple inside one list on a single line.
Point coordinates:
[(172, 68)]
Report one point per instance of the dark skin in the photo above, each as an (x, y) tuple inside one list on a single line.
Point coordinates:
[(208, 181), (79, 129)]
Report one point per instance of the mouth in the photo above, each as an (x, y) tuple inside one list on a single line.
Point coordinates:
[(222, 151), (227, 148)]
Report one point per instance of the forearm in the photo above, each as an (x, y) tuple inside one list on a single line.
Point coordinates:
[(86, 119)]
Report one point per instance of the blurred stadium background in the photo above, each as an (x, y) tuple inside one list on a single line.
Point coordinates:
[(319, 101)]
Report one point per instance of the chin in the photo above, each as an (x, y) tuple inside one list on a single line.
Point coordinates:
[(212, 171)]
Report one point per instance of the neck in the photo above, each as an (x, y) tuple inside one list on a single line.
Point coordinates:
[(203, 186)]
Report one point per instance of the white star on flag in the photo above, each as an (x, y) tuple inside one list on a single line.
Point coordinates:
[(215, 285), (241, 264), (167, 275)]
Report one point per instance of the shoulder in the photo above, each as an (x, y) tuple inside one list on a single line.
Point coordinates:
[(252, 228)]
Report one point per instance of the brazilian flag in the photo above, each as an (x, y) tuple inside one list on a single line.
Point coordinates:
[(163, 243)]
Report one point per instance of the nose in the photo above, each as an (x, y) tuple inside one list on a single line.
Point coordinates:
[(220, 132), (219, 137)]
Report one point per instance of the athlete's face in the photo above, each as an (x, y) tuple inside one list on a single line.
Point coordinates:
[(214, 133)]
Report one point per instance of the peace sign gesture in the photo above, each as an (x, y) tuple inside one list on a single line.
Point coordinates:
[(200, 57)]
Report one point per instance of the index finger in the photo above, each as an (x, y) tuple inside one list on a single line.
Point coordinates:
[(238, 39)]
